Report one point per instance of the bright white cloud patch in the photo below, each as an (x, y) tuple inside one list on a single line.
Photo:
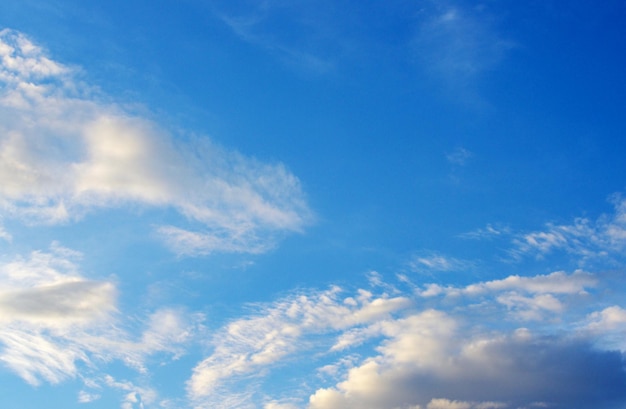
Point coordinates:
[(63, 152)]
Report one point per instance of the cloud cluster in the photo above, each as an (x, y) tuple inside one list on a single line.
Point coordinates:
[(424, 358), (428, 362), (53, 319), (527, 298), (65, 152), (587, 239), (251, 345)]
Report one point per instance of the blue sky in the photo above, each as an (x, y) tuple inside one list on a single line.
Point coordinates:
[(312, 204)]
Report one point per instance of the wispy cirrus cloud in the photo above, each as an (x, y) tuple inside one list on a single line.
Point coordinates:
[(584, 238), (250, 346), (436, 262), (65, 151), (311, 35), (525, 298), (457, 44), (490, 231), (459, 156)]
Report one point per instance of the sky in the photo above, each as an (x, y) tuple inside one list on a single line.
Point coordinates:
[(312, 204)]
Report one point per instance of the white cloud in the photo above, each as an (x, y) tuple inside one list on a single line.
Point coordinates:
[(52, 318), (459, 156), (46, 290), (531, 308), (609, 327), (528, 298), (438, 262), (457, 44), (5, 235), (279, 405), (557, 282), (135, 396), (488, 232), (429, 355), (65, 152), (247, 347), (418, 358), (86, 397), (602, 239), (608, 319)]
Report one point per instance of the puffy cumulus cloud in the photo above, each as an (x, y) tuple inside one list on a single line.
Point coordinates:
[(428, 361), (64, 152), (248, 347), (609, 325), (53, 319), (608, 319)]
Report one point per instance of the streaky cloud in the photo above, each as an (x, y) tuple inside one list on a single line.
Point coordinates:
[(247, 347), (591, 241)]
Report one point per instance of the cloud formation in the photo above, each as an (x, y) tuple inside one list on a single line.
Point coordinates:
[(388, 353), (589, 240), (427, 362), (65, 152), (457, 44), (52, 318), (251, 345)]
